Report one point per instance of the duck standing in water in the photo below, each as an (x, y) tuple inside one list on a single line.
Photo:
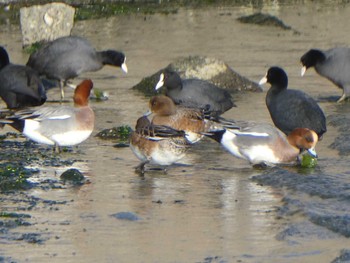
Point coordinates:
[(190, 120), (264, 143), (157, 144), (60, 125)]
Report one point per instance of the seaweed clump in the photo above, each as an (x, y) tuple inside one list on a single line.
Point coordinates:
[(263, 20), (14, 177)]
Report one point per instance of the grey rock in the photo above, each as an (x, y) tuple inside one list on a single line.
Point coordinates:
[(46, 22), (129, 216), (205, 68)]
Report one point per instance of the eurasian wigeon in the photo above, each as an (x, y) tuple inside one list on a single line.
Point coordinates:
[(157, 144), (264, 143), (68, 57), (60, 125), (333, 64), (190, 120), (195, 93), (290, 109), (20, 86)]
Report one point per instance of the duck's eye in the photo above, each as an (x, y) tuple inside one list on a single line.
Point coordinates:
[(309, 138)]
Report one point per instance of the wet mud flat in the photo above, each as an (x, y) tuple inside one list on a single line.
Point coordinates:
[(210, 207)]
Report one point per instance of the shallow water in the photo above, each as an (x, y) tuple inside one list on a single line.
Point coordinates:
[(211, 208)]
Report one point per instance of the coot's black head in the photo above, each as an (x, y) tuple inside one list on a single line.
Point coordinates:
[(4, 57), (172, 79), (277, 77), (115, 58), (312, 57)]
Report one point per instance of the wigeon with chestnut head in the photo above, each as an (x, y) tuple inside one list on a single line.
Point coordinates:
[(190, 120), (157, 144), (265, 144), (60, 125)]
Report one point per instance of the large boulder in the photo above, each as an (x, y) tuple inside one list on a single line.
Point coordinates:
[(210, 69), (46, 22)]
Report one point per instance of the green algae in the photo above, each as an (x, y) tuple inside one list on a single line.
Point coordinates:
[(13, 215), (120, 133), (30, 49), (14, 177), (263, 20), (147, 85)]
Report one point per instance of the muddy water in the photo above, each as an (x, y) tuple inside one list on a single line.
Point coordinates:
[(209, 208)]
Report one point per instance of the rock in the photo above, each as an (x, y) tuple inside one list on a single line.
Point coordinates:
[(344, 256), (46, 22), (263, 20), (72, 175), (210, 69), (129, 216), (266, 20), (342, 123)]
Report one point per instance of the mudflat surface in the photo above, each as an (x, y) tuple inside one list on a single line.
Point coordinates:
[(211, 207)]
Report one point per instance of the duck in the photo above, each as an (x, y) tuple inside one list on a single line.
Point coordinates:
[(195, 93), (190, 120), (263, 143), (333, 64), (157, 144), (67, 57), (20, 86), (289, 108), (58, 125)]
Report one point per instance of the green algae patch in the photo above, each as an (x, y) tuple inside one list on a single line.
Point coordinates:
[(120, 133), (30, 49), (99, 95), (13, 215), (103, 10), (308, 161), (263, 20), (14, 177), (147, 85)]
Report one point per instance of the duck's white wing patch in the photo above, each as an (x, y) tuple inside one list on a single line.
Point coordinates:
[(255, 134), (59, 117)]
